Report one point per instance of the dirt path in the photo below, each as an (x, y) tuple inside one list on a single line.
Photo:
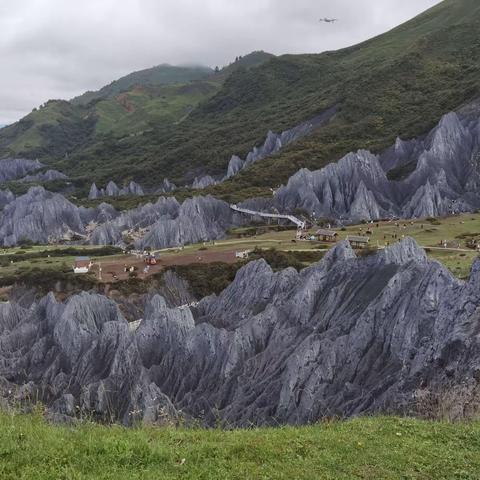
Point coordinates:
[(114, 269), (229, 243)]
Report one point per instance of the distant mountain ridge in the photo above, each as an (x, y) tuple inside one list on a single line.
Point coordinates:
[(132, 105), (398, 84), (164, 74)]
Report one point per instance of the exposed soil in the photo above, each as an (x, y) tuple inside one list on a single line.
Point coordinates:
[(114, 269)]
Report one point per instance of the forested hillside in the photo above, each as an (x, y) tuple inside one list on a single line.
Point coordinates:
[(399, 83)]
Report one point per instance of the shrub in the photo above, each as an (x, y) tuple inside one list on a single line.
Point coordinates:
[(25, 242), (366, 252)]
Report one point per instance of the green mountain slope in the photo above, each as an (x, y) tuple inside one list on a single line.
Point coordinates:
[(159, 97), (126, 106), (136, 110), (399, 83), (49, 131), (247, 62), (138, 102), (160, 75)]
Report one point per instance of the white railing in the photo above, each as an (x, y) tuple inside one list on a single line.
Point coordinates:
[(299, 223)]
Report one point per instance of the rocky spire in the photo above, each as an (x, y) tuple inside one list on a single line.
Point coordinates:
[(344, 337)]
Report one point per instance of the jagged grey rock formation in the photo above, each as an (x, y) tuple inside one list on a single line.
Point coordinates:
[(166, 187), (444, 178), (112, 190), (91, 354), (234, 166), (343, 337), (174, 289), (16, 168), (46, 176), (133, 188), (198, 219), (203, 182), (95, 192), (92, 217), (354, 188), (6, 197), (39, 216), (275, 142), (272, 145), (107, 234), (135, 221), (166, 223)]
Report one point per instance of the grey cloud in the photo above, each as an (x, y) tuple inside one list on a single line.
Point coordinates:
[(58, 49)]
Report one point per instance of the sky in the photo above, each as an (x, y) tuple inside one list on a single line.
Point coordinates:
[(52, 49)]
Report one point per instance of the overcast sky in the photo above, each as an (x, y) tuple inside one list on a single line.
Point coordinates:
[(61, 48)]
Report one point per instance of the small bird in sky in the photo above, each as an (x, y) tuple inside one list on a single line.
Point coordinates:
[(328, 20)]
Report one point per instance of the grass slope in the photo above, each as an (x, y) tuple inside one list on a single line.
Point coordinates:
[(135, 111), (364, 448), (160, 97), (399, 83), (160, 75), (50, 130)]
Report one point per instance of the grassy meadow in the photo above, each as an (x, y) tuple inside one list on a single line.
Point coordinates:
[(456, 230), (49, 264), (362, 448)]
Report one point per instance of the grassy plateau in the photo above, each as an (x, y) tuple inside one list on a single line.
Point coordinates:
[(210, 267)]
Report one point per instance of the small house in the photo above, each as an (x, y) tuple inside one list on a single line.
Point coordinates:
[(450, 244), (242, 254), (82, 265), (327, 235), (358, 241)]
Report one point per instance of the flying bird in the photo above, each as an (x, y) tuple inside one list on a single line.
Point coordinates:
[(328, 20)]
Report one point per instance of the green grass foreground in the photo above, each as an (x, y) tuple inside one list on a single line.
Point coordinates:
[(365, 448)]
